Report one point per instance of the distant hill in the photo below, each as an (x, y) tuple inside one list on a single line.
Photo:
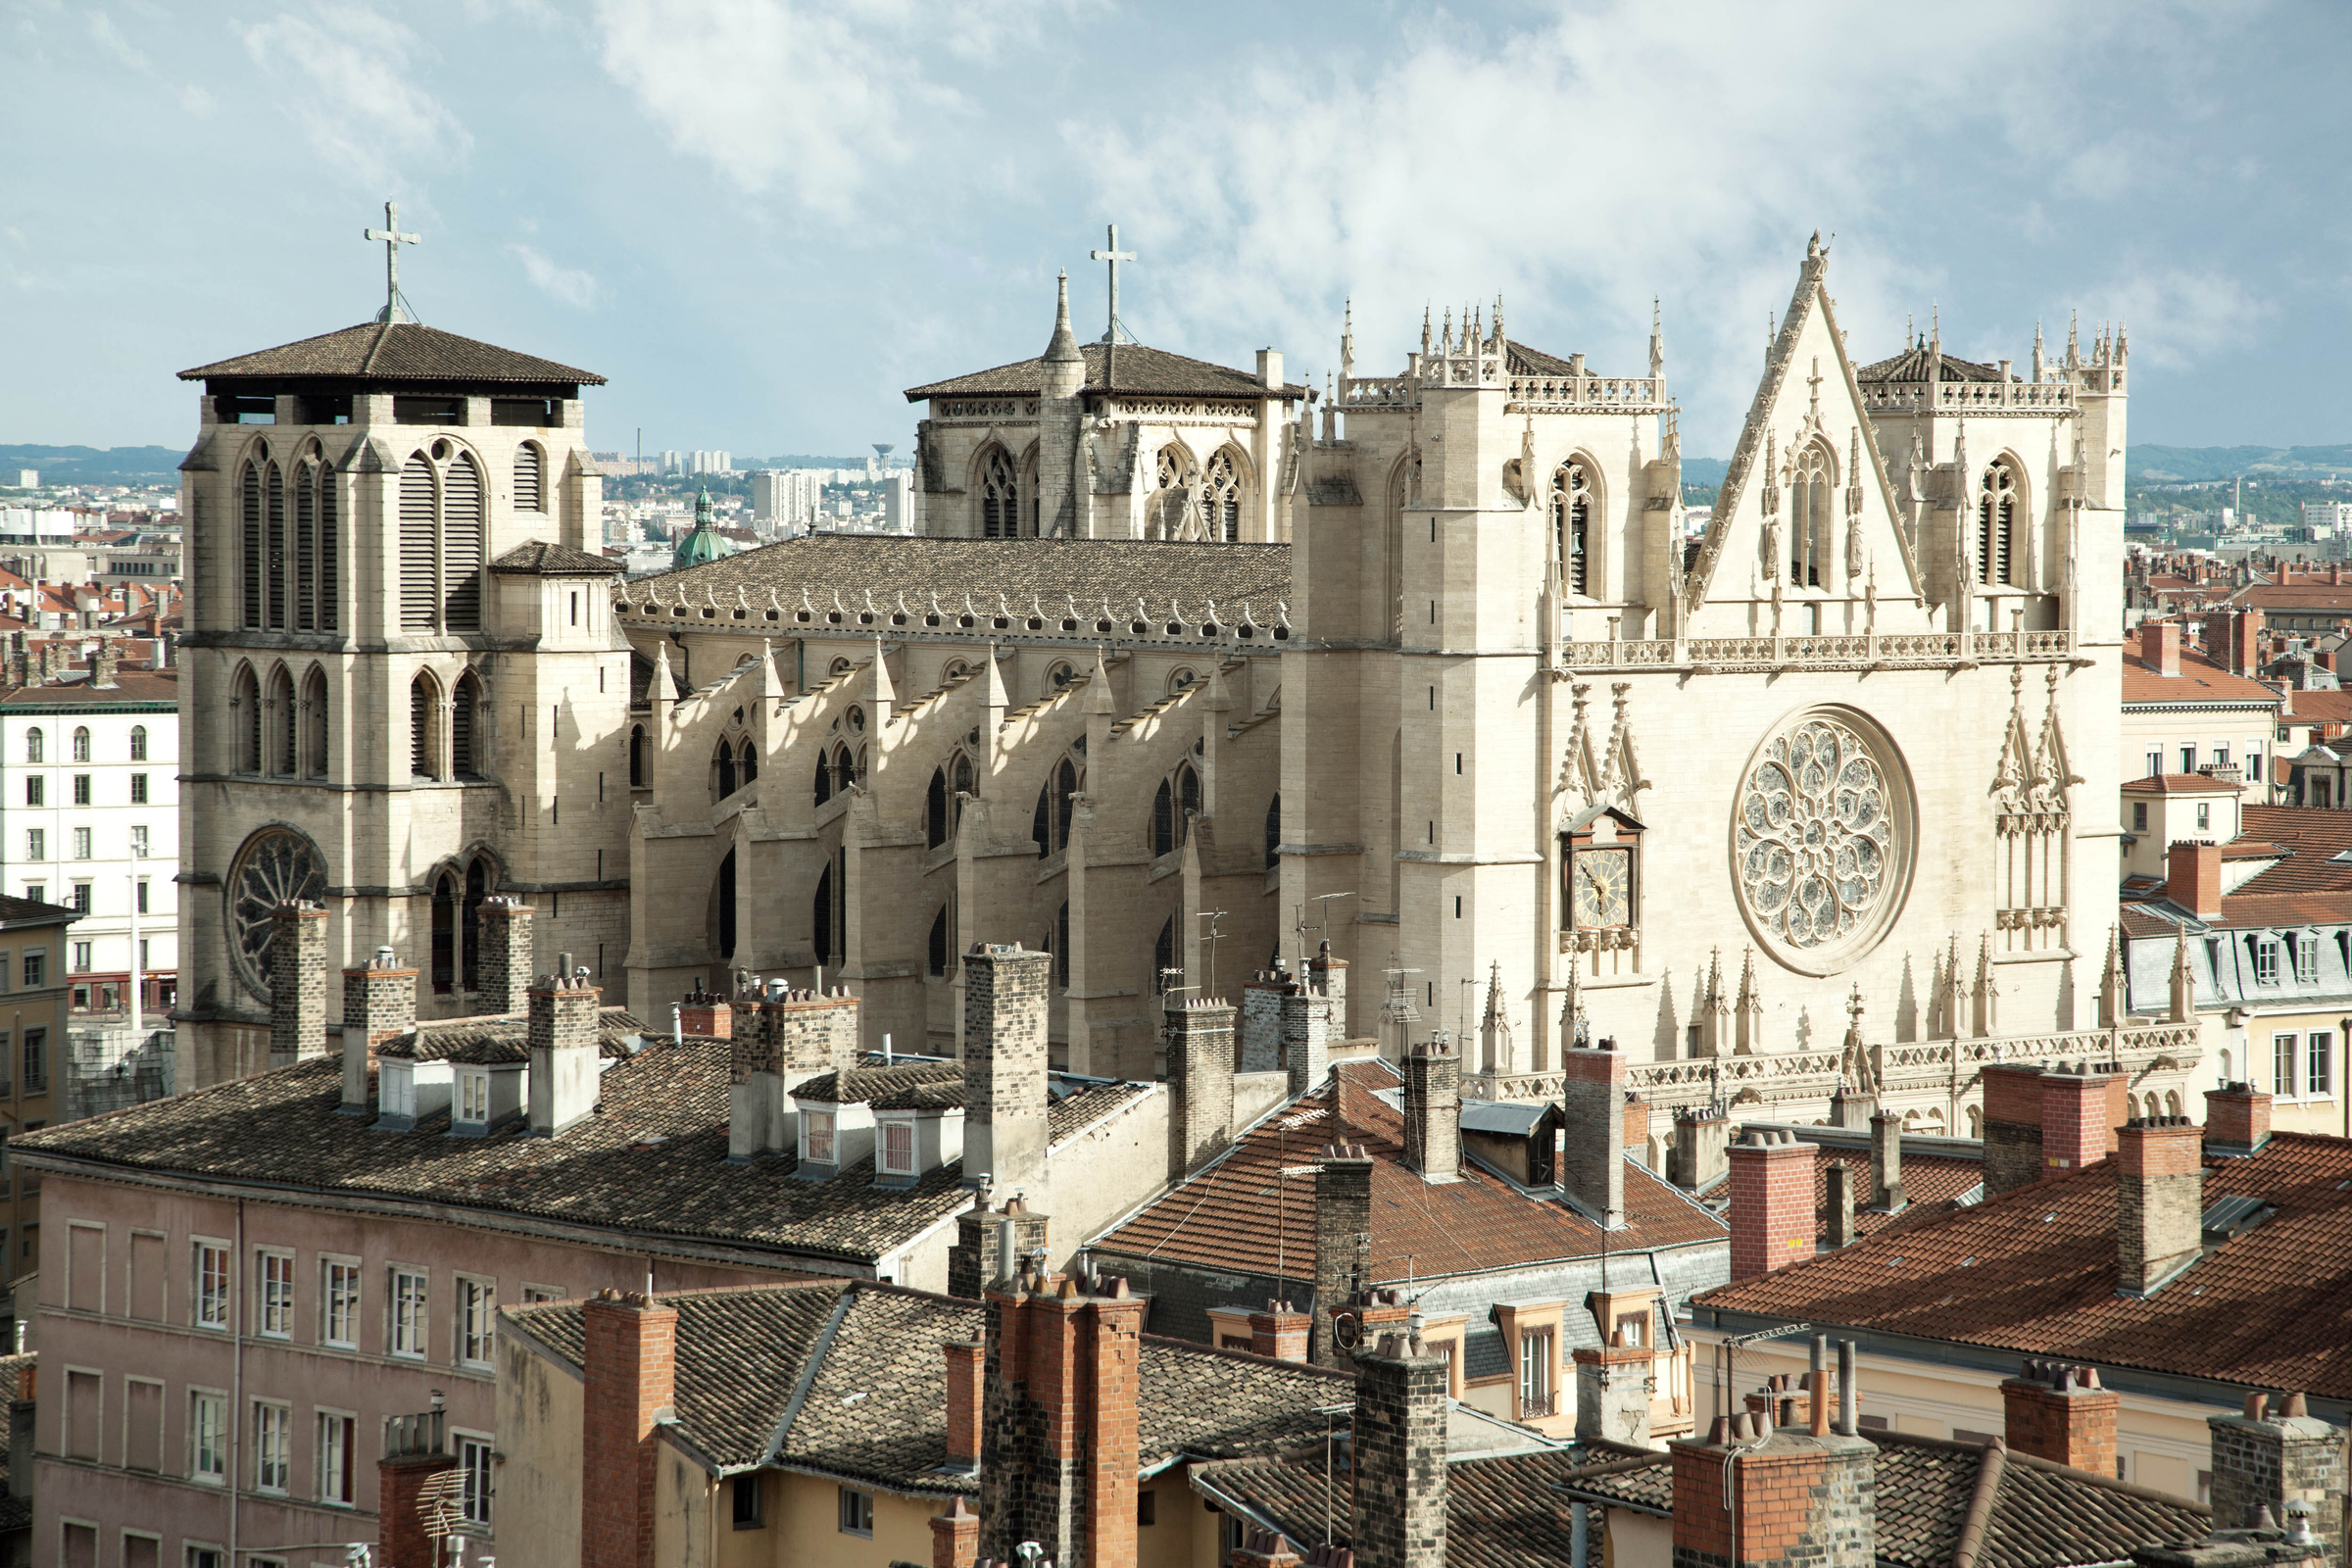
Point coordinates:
[(1708, 471), (2156, 465), (93, 464)]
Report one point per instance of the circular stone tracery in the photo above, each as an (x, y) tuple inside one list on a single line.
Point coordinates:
[(1821, 839), (277, 863)]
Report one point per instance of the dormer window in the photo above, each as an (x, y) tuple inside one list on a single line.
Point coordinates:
[(2307, 958), (898, 1148), (2266, 960), (817, 1137), (473, 1096)]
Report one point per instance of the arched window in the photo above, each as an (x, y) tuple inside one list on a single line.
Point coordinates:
[(314, 546), (469, 926), (138, 743), (314, 724), (1065, 785), (1057, 677), (462, 546), (34, 746), (937, 954), (82, 743), (330, 550), (727, 905), (424, 709), (1175, 488), (441, 541), (1188, 799), (935, 809), (255, 566), (1164, 971), (821, 914), (274, 551), (1041, 824), (723, 769), (1572, 521), (419, 554), (1221, 496), (1274, 832), (285, 726), (825, 777), (636, 757), (953, 669), (1996, 530), (1000, 496), (248, 703), (1163, 819), (445, 934), (746, 762), (530, 495), (838, 668), (1181, 681), (1812, 493), (465, 712)]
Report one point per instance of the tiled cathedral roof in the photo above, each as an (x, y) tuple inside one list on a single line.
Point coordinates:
[(543, 557), (1138, 369), (1912, 366), (1018, 570), (398, 351)]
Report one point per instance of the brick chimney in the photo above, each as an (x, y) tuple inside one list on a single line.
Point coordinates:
[(2246, 641), (630, 1379), (955, 1536), (1701, 1137), (565, 1049), (707, 1013), (103, 663), (1433, 1111), (1059, 1440), (508, 962), (2081, 1109), (1199, 1065), (1772, 1203), (1840, 1218), (967, 1383), (1307, 1020), (1281, 1331), (2057, 1412), (1400, 1451), (1887, 1161), (1636, 1127), (297, 983), (2194, 877), (1800, 1494), (990, 1244), (2277, 1454), (380, 1002), (1592, 1101), (2160, 646), (1343, 1241), (2012, 1126), (2160, 1185), (1005, 1064), (2237, 1119), (1267, 1548), (416, 1452), (778, 1042)]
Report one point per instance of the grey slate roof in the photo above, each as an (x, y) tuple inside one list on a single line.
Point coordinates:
[(651, 1161), (544, 558), (1048, 570), (401, 351), (1138, 369), (857, 1370), (14, 911)]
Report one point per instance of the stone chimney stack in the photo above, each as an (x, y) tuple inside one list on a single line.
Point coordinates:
[(1058, 1434), (2012, 1126), (2058, 1411), (508, 962), (563, 1046), (1798, 1495), (1262, 1020), (380, 1002), (1592, 1101), (2237, 1119), (1887, 1161), (991, 1243), (297, 984), (1343, 1241), (1308, 1019), (1399, 1454), (630, 1377), (1004, 1066), (2159, 1186), (2277, 1456), (1433, 1111), (1840, 1219), (1701, 1138), (1772, 1203), (103, 663), (1199, 1055), (780, 1041)]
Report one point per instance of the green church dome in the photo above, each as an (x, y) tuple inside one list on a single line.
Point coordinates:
[(703, 544)]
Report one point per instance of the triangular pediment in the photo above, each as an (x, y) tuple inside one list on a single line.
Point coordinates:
[(1809, 418)]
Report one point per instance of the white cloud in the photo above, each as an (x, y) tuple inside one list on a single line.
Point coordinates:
[(110, 38), (344, 76), (815, 102), (2174, 316), (195, 100), (568, 284)]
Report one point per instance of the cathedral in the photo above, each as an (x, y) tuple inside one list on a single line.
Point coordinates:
[(1414, 696)]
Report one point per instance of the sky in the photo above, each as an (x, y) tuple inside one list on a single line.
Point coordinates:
[(762, 220)]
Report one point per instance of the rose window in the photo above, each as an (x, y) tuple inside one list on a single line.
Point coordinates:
[(1817, 836), (276, 865)]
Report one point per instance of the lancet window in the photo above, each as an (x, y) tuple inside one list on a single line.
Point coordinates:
[(1571, 522), (1996, 526), (440, 541), (1812, 504), (1000, 496), (1221, 497), (1175, 485)]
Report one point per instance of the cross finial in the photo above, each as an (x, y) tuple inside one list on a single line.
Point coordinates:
[(393, 240), (1113, 258)]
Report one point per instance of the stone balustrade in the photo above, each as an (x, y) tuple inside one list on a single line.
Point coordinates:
[(1888, 650)]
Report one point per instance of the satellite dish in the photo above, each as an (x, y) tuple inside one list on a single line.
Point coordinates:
[(1348, 1330)]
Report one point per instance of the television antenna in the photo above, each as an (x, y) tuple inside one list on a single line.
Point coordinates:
[(1302, 928)]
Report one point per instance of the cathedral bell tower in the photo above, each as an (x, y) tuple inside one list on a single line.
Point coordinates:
[(404, 687)]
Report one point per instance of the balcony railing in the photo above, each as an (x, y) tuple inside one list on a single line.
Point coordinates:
[(1535, 1408), (1878, 649)]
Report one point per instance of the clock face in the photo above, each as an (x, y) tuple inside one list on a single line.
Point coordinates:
[(1601, 887)]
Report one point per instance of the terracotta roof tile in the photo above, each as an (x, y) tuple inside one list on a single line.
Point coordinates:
[(2310, 839), (1929, 1181), (1137, 370), (2200, 680), (544, 558), (2318, 707), (1501, 1512), (1240, 1214), (2180, 784), (1912, 366), (405, 351), (2034, 1271)]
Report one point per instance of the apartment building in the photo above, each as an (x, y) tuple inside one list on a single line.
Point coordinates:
[(33, 1011)]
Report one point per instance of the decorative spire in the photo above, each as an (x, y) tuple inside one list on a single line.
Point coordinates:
[(1498, 338), (2040, 359), (1425, 329), (1657, 342), (1063, 349), (2074, 340), (1347, 339)]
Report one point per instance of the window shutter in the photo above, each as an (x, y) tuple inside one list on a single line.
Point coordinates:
[(306, 549), (250, 502), (275, 558), (329, 586), (462, 546), (418, 581), (528, 497)]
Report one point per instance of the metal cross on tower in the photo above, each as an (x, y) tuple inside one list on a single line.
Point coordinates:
[(393, 240), (1113, 258)]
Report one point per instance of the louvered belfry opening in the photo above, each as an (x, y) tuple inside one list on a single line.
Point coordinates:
[(463, 713), (273, 554), (461, 545), (530, 495), (249, 506), (306, 547), (420, 575)]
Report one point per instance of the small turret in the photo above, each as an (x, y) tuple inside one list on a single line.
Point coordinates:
[(703, 544)]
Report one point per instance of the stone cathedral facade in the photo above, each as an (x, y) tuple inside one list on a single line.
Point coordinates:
[(1183, 679)]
